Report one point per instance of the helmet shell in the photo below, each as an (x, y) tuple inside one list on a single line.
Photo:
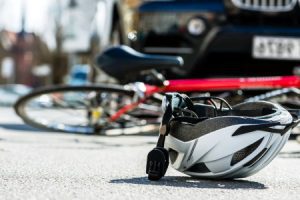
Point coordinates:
[(229, 146)]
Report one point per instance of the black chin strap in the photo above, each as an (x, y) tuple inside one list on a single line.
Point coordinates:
[(158, 158)]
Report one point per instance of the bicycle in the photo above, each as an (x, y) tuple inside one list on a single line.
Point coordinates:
[(112, 109)]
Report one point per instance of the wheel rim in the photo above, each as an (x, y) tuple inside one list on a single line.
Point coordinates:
[(83, 111)]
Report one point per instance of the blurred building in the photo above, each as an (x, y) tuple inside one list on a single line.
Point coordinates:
[(40, 40), (29, 59), (38, 34)]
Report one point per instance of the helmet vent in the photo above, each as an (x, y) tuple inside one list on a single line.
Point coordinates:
[(256, 158), (173, 155), (199, 167), (243, 153)]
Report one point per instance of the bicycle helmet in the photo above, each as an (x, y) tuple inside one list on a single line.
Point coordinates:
[(216, 140)]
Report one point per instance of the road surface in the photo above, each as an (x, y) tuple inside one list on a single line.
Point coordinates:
[(35, 164)]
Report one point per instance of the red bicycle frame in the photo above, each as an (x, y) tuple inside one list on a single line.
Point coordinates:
[(223, 84), (215, 84)]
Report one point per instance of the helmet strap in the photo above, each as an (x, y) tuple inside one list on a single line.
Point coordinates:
[(158, 158)]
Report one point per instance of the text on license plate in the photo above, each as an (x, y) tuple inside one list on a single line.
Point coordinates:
[(276, 48)]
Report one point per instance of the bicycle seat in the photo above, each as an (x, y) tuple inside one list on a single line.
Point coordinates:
[(121, 60)]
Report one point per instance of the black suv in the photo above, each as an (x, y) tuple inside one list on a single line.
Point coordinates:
[(222, 37)]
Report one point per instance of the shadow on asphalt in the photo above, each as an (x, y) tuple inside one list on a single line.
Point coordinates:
[(291, 154), (20, 127), (188, 182), (27, 128), (102, 145)]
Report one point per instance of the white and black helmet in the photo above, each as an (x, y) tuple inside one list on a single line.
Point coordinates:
[(216, 140)]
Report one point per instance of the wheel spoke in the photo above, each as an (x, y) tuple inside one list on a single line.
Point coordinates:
[(80, 109)]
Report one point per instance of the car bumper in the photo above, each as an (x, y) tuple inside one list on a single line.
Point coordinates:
[(239, 39), (228, 45)]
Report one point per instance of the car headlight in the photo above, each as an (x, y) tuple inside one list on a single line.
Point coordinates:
[(196, 26)]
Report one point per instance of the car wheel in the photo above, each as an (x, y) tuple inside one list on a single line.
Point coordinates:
[(116, 34)]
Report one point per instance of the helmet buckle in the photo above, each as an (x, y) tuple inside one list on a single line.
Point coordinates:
[(157, 163)]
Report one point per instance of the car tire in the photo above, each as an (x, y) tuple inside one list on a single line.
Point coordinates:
[(116, 34)]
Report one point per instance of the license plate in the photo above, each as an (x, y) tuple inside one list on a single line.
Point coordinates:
[(279, 48)]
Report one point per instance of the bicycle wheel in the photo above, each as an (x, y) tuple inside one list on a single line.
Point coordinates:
[(85, 109)]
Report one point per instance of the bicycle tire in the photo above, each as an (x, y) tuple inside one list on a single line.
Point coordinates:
[(67, 109)]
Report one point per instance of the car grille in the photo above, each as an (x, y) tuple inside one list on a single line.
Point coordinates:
[(266, 5)]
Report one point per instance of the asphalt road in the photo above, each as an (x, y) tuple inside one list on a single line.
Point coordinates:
[(44, 165)]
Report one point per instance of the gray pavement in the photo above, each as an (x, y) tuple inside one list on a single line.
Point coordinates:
[(42, 165)]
